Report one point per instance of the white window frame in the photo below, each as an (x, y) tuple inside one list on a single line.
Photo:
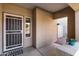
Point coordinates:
[(30, 27)]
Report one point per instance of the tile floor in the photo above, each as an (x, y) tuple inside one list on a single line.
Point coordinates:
[(44, 51), (52, 51), (30, 51)]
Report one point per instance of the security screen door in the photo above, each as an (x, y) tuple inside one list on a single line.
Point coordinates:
[(13, 32)]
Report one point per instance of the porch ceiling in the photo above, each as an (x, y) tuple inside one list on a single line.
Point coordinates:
[(52, 7)]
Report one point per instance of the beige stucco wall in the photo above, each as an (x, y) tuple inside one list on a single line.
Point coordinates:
[(77, 25), (44, 28), (0, 28), (15, 9)]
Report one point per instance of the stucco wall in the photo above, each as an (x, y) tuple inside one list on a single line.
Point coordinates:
[(77, 25), (44, 28), (0, 28)]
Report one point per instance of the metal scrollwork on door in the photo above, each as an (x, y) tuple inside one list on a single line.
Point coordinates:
[(13, 31)]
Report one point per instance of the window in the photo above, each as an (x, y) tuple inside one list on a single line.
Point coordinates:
[(28, 27)]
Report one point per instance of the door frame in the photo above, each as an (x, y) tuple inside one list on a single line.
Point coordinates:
[(67, 25)]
